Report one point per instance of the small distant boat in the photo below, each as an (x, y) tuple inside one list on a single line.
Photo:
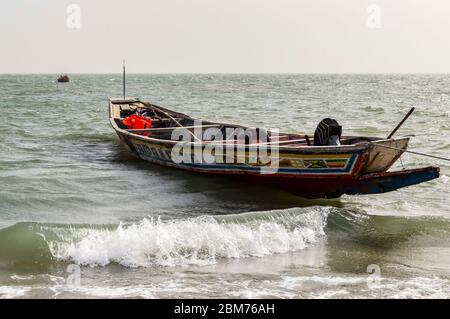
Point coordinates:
[(63, 78), (355, 165)]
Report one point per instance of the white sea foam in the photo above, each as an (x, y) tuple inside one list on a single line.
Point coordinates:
[(420, 287), (8, 292), (321, 287), (196, 241), (356, 287)]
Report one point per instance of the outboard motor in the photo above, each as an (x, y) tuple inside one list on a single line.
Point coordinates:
[(328, 132)]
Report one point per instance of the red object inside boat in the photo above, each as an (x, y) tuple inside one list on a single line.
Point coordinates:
[(137, 122)]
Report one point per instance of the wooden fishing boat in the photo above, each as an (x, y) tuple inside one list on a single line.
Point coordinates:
[(63, 78), (359, 165)]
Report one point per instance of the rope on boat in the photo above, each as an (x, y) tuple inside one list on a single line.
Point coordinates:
[(178, 123), (412, 152)]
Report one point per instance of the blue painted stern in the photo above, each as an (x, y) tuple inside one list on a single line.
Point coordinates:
[(377, 183)]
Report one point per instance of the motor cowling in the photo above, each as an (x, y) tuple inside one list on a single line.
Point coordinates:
[(328, 132)]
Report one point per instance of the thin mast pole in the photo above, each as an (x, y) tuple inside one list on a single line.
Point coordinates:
[(123, 80)]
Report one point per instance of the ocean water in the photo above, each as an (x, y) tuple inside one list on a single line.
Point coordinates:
[(80, 217)]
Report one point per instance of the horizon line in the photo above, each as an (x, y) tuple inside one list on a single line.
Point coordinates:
[(229, 73)]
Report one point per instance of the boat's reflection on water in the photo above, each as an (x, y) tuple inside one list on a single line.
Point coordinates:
[(226, 190)]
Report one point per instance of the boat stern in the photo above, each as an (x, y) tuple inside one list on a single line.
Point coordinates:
[(384, 182), (382, 154)]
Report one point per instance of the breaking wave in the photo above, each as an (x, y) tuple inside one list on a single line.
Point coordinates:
[(195, 241), (157, 242), (202, 240)]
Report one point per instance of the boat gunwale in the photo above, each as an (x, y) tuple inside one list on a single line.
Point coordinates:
[(306, 149), (353, 148)]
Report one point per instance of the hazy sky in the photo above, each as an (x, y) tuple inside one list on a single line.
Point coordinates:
[(226, 36)]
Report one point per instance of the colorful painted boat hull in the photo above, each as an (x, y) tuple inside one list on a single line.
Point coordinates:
[(313, 172), (375, 183)]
